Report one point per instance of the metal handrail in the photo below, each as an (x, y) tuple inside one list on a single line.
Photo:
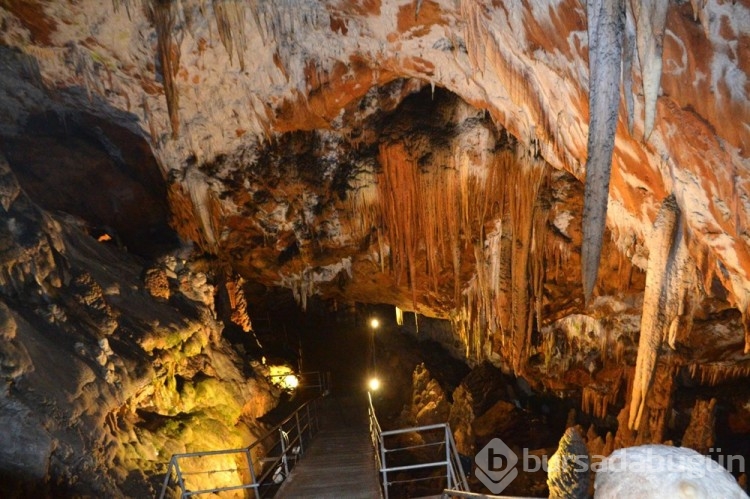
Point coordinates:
[(454, 474), (289, 438), (448, 493)]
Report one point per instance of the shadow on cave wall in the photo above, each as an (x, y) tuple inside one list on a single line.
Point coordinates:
[(77, 163)]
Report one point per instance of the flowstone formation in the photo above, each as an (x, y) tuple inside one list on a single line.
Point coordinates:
[(557, 188), (107, 369)]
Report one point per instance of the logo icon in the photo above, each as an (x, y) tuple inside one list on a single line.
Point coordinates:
[(496, 465)]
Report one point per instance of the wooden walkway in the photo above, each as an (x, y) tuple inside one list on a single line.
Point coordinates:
[(340, 462)]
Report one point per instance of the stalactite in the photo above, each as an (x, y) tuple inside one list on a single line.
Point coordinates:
[(597, 398), (524, 186), (482, 293), (654, 301), (700, 13), (202, 204), (399, 195), (163, 16), (682, 293), (437, 211), (118, 4), (362, 205), (650, 18), (628, 52), (230, 22), (605, 27), (149, 118), (442, 210), (539, 237), (524, 90), (238, 303), (488, 293), (503, 258), (85, 69), (716, 373)]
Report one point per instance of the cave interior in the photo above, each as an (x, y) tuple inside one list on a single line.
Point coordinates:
[(181, 220)]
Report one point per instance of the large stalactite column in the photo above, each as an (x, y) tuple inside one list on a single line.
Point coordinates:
[(654, 319), (523, 191), (606, 20)]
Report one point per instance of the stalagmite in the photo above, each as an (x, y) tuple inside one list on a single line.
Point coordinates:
[(701, 433), (568, 471), (650, 18), (654, 300), (605, 26)]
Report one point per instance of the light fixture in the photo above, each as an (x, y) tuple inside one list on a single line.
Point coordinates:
[(374, 384), (291, 381), (374, 323)]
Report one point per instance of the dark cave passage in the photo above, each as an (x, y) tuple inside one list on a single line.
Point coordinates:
[(107, 176)]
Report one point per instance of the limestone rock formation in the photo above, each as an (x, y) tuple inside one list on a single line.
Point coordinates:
[(651, 471), (562, 186), (101, 380), (569, 468)]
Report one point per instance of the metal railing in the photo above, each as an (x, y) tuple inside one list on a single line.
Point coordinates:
[(316, 380), (417, 454), (452, 494), (261, 467)]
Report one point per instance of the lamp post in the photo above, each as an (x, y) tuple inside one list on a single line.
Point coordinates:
[(374, 324)]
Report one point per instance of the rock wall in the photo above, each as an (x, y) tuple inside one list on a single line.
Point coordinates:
[(104, 375)]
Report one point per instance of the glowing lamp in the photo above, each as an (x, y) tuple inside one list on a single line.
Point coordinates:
[(374, 323), (291, 381), (374, 384)]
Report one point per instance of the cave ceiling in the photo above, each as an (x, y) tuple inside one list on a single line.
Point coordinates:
[(431, 155)]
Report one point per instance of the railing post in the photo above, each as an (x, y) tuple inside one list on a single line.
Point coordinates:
[(256, 485), (309, 424), (384, 466), (282, 438), (317, 414), (459, 475), (448, 458), (179, 478), (166, 479), (299, 432)]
